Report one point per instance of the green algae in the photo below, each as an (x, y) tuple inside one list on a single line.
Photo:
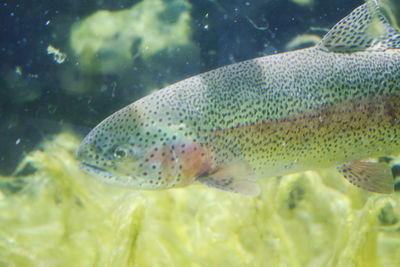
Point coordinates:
[(60, 216)]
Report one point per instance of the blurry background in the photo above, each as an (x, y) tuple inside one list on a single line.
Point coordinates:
[(72, 63)]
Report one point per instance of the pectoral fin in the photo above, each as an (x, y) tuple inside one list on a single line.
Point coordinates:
[(236, 177), (372, 176)]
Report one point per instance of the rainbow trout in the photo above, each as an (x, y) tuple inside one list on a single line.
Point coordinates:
[(332, 105)]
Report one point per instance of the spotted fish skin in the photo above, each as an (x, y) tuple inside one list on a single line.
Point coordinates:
[(314, 108)]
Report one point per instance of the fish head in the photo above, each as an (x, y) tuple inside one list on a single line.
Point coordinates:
[(131, 150)]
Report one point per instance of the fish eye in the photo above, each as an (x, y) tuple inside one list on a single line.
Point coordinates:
[(121, 152)]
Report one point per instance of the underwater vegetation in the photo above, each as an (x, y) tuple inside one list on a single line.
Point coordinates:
[(110, 42), (58, 216), (53, 214)]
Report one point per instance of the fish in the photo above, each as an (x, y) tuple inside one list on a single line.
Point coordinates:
[(334, 105)]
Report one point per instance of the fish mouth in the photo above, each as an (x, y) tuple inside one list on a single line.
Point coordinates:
[(105, 176), (95, 170)]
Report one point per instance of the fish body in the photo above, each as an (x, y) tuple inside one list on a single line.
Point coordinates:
[(331, 105)]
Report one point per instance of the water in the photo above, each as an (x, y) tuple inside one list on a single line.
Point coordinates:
[(56, 85)]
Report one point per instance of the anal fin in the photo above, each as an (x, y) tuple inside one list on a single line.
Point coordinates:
[(235, 177), (372, 176)]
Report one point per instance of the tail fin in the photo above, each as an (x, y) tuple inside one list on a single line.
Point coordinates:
[(366, 28)]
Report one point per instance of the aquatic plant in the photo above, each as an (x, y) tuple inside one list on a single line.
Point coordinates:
[(57, 215), (109, 42)]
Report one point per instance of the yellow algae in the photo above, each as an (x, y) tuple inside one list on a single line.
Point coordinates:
[(302, 41), (58, 56), (59, 216), (110, 41), (304, 2)]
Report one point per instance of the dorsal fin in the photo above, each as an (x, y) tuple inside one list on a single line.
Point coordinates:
[(391, 10), (366, 28)]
